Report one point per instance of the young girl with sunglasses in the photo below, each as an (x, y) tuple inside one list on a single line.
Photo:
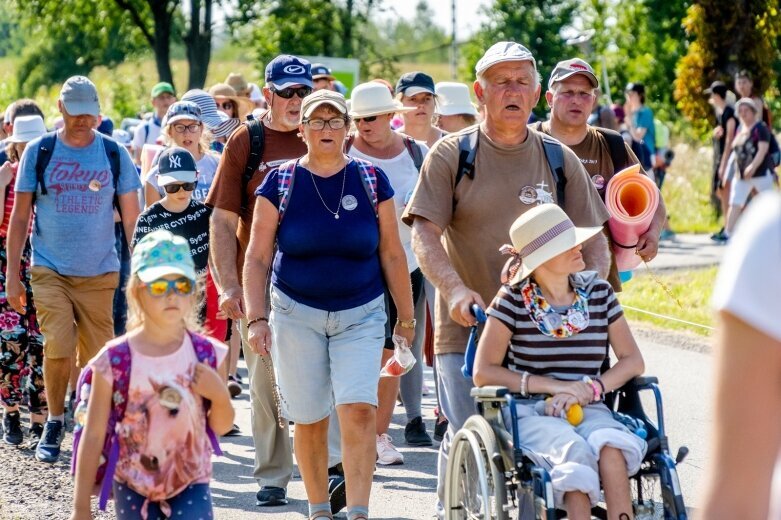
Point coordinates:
[(180, 213), (164, 464), (183, 126)]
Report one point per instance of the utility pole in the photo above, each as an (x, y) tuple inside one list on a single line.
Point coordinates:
[(453, 44)]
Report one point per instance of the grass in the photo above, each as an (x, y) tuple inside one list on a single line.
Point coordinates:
[(686, 190), (692, 288)]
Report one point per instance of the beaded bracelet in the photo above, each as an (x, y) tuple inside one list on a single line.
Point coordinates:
[(594, 388), (255, 320), (525, 384), (602, 385)]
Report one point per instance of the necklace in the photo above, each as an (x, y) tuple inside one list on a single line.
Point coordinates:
[(548, 320), (339, 203)]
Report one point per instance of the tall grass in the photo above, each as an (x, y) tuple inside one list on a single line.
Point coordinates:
[(686, 190)]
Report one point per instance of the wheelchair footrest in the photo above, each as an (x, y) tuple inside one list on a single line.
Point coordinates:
[(489, 392)]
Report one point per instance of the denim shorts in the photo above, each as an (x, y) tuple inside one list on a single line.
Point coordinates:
[(322, 358)]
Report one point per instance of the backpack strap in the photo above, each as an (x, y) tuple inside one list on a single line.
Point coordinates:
[(204, 351), (285, 184), (467, 155), (617, 147), (45, 151), (554, 154), (257, 137), (111, 147), (413, 148), (369, 180)]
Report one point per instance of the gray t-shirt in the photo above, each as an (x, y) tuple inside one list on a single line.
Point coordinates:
[(74, 223)]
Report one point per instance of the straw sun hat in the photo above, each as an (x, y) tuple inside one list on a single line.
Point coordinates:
[(541, 234)]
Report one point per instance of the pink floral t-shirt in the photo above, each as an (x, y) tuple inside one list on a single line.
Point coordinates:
[(163, 445)]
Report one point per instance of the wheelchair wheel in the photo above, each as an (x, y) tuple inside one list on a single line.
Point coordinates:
[(474, 486), (651, 500)]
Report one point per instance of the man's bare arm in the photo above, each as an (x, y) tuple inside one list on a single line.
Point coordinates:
[(223, 254), (436, 266)]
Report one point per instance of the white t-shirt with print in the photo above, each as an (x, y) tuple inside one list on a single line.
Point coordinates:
[(403, 176)]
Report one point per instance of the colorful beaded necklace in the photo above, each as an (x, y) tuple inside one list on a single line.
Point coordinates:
[(548, 320)]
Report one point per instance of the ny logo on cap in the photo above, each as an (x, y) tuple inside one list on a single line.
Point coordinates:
[(174, 161), (294, 69)]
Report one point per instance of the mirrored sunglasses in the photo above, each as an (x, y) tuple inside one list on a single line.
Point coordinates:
[(161, 287)]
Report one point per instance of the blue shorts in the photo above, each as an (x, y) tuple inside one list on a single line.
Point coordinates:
[(195, 502), (325, 358)]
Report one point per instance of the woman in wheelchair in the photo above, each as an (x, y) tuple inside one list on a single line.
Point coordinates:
[(547, 334)]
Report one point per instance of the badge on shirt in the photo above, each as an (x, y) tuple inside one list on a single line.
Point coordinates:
[(539, 195), (599, 182), (349, 202), (94, 185)]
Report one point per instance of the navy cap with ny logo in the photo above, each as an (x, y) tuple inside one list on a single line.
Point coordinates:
[(176, 164)]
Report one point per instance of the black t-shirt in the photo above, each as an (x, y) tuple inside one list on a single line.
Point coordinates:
[(719, 144), (192, 224), (746, 148)]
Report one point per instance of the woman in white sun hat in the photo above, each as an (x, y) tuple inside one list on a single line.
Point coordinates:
[(21, 344), (555, 321), (454, 110), (400, 157)]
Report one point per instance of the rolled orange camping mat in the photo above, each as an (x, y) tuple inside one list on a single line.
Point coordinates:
[(631, 199)]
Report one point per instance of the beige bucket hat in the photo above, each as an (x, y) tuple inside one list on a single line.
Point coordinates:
[(372, 99)]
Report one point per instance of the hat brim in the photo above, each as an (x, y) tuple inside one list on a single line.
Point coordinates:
[(591, 77), (323, 76), (289, 82), (226, 128), (181, 176), (151, 274), (244, 105), (413, 91), (552, 249), (25, 137), (457, 110), (182, 117), (342, 109), (378, 111), (82, 108)]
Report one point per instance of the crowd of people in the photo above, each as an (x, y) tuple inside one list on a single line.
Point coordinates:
[(316, 233)]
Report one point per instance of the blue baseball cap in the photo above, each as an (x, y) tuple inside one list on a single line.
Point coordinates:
[(80, 97), (182, 110), (286, 70)]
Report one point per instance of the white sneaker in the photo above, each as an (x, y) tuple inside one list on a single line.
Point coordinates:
[(387, 454)]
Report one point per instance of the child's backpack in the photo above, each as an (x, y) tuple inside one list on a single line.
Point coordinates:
[(120, 359)]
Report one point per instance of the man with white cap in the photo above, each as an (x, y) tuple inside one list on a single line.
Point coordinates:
[(75, 264), (459, 221), (246, 160), (454, 110), (573, 89)]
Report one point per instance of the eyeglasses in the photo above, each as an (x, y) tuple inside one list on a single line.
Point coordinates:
[(186, 186), (318, 124), (193, 128), (289, 92), (162, 287), (225, 105), (369, 119)]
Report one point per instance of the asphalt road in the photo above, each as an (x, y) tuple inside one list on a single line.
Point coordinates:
[(408, 491)]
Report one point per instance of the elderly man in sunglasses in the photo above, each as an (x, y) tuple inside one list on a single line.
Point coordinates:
[(232, 197)]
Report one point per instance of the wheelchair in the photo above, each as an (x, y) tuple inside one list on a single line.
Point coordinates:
[(489, 478)]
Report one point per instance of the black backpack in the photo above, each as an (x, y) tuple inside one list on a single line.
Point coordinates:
[(46, 149), (257, 140), (554, 154)]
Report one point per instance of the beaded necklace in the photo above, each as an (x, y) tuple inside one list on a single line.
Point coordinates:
[(548, 320)]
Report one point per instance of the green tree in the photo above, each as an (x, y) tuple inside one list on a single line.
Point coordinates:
[(726, 37), (420, 40)]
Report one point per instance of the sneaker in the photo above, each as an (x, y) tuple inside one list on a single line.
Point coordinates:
[(415, 433), (48, 449), (36, 431), (387, 454), (440, 429), (234, 388), (270, 496), (12, 428), (337, 492)]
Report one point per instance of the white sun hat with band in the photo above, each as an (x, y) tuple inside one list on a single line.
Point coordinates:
[(540, 234), (374, 99)]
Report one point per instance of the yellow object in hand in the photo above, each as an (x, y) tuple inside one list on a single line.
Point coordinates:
[(575, 414)]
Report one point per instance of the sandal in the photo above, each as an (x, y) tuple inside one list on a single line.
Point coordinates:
[(320, 515)]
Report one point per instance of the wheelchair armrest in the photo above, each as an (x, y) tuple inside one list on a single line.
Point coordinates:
[(642, 382), (489, 392)]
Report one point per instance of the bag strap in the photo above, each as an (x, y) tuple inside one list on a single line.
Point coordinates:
[(204, 351), (554, 154), (111, 147), (45, 151), (467, 154), (413, 148), (285, 174), (617, 147), (257, 138), (369, 180), (348, 143)]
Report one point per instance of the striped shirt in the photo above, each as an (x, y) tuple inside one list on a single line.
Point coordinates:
[(562, 358), (9, 202)]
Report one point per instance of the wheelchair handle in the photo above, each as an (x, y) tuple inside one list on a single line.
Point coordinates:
[(471, 344)]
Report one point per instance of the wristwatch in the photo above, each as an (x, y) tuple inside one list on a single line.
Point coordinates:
[(406, 324)]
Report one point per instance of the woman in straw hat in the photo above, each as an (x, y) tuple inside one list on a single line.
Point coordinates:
[(555, 321), (372, 109), (230, 103), (334, 222)]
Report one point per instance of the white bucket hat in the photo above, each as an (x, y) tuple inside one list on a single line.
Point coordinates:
[(542, 233), (373, 99), (453, 99), (27, 128)]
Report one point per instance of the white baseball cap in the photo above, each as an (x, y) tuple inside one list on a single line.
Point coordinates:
[(453, 99), (27, 128), (502, 52)]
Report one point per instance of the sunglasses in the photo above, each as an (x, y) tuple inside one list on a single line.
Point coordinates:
[(162, 287), (227, 105), (186, 186), (370, 119), (187, 128), (287, 93)]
